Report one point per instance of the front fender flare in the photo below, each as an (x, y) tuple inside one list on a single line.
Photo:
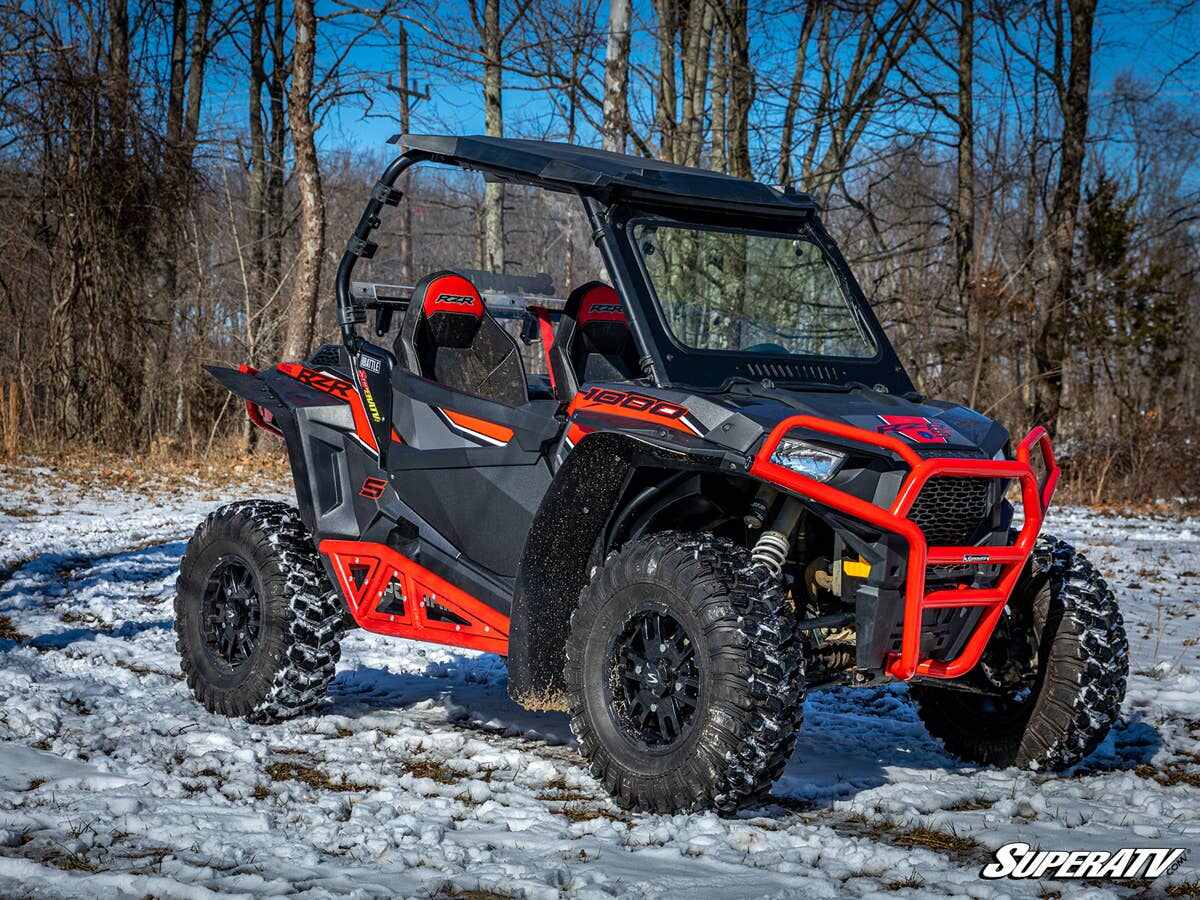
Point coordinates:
[(558, 556)]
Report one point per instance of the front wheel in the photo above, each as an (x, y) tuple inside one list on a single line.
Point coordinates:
[(685, 675), (1053, 674), (256, 621)]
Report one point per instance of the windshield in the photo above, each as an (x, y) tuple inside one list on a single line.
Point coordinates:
[(750, 293)]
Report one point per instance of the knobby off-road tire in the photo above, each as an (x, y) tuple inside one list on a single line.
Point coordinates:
[(299, 617), (1075, 694), (748, 671)]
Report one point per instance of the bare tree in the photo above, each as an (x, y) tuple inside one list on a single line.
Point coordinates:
[(302, 312), (616, 76)]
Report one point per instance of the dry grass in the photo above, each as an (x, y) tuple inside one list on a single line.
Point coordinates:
[(938, 841), (914, 881), (86, 619), (452, 893), (1183, 889), (62, 858), (142, 670), (432, 769), (911, 837), (165, 468), (1170, 776), (581, 812), (314, 778), (970, 804), (8, 631), (77, 706), (563, 796)]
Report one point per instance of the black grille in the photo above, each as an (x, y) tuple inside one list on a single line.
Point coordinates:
[(950, 510)]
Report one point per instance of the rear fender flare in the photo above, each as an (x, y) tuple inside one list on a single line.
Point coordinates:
[(250, 387)]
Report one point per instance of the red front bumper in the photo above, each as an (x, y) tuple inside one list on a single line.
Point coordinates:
[(1011, 559)]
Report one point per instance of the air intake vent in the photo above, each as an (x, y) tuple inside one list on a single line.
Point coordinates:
[(795, 371)]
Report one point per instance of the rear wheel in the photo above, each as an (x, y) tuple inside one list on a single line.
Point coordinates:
[(1054, 672), (685, 675), (257, 624)]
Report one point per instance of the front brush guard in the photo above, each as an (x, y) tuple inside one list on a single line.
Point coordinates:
[(1012, 558)]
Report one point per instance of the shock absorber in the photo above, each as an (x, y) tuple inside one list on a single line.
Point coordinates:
[(771, 548)]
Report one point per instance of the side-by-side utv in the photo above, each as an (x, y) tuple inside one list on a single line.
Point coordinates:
[(724, 489)]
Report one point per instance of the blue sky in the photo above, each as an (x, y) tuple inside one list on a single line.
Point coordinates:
[(1148, 39)]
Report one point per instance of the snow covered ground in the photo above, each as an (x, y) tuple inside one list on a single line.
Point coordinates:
[(421, 778)]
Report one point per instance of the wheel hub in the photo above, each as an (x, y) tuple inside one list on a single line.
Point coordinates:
[(232, 612), (656, 684)]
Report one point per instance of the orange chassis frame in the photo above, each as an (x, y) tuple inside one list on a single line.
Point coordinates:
[(1035, 499)]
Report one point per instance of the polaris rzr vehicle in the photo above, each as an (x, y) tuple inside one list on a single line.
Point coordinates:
[(725, 490)]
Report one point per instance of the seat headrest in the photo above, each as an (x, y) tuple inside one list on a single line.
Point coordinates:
[(600, 303), (602, 318), (453, 309)]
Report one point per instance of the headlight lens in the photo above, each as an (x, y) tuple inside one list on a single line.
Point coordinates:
[(809, 460)]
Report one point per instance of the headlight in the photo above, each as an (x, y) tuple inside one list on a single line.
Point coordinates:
[(809, 460)]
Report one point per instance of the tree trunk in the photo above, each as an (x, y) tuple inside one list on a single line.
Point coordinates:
[(741, 89), (697, 48), (277, 147), (176, 80), (118, 72), (406, 226), (790, 110), (964, 214), (616, 76), (258, 150), (493, 120), (664, 106), (1050, 348), (195, 88), (302, 313), (720, 91), (256, 291)]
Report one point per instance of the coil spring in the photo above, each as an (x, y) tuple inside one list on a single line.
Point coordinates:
[(771, 550)]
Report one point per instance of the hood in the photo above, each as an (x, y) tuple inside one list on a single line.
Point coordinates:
[(931, 426)]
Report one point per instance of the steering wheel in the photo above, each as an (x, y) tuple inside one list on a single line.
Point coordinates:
[(766, 348)]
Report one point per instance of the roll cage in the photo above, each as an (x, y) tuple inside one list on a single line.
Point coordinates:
[(615, 192)]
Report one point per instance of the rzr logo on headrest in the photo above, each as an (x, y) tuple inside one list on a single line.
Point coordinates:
[(455, 299), (606, 308)]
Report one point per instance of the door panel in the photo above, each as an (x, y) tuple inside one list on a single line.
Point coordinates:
[(474, 469)]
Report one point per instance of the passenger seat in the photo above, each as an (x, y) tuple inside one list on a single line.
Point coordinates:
[(593, 341)]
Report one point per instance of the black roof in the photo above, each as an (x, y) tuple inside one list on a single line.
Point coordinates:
[(598, 172)]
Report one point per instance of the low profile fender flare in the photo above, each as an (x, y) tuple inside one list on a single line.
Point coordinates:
[(254, 389), (557, 559)]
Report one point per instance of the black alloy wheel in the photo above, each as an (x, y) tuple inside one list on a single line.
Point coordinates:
[(655, 689), (257, 622), (232, 612)]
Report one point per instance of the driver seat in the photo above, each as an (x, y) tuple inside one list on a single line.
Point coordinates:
[(448, 336), (593, 342)]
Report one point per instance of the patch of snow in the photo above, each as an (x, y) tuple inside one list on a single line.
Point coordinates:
[(114, 782)]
